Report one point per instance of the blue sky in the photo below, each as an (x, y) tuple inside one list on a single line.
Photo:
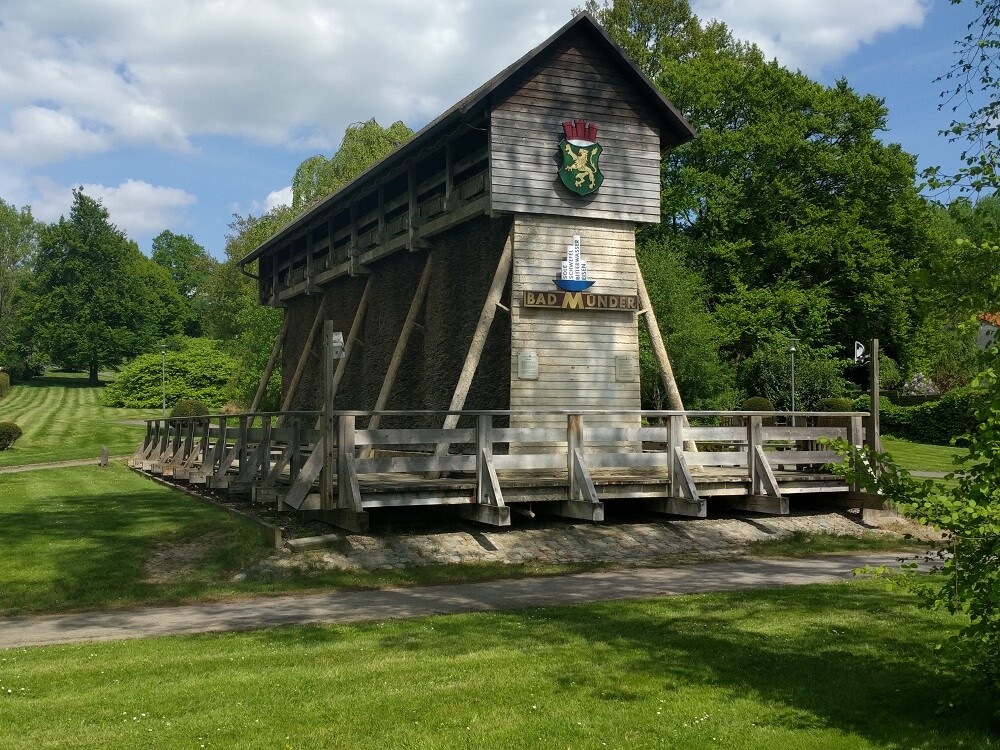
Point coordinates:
[(177, 115)]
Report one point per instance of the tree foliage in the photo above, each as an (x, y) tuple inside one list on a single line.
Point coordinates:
[(191, 268), (18, 244), (967, 510), (972, 95), (798, 218), (363, 144), (96, 300)]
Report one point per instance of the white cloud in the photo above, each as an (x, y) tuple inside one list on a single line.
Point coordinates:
[(143, 72), (812, 34), (277, 198), (135, 207)]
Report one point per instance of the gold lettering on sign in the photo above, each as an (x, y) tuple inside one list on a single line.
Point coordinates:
[(580, 301)]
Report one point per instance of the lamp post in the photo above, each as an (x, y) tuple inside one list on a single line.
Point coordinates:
[(791, 350), (163, 375)]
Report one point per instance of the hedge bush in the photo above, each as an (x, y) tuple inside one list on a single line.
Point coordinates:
[(4, 383), (198, 371), (936, 423), (9, 433), (835, 404), (189, 407)]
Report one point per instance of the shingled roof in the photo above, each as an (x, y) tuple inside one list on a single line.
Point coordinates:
[(673, 127)]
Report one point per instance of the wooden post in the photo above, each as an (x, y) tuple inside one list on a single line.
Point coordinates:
[(478, 340), (659, 350), (269, 369), (331, 354), (874, 423), (404, 338)]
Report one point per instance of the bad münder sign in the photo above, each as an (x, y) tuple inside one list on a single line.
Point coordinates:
[(581, 301)]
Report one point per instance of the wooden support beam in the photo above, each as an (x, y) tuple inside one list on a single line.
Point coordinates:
[(678, 506), (352, 339), (404, 339), (659, 350), (479, 338), (300, 368), (582, 510), (302, 483), (348, 520), (271, 362), (348, 491), (490, 515), (764, 481), (772, 506)]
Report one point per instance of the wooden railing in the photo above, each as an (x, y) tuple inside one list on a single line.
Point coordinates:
[(308, 460)]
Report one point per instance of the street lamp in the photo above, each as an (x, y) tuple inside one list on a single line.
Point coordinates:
[(163, 375), (791, 350)]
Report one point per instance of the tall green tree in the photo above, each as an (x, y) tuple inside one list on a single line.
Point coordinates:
[(18, 244), (800, 219), (191, 268), (97, 300), (363, 144)]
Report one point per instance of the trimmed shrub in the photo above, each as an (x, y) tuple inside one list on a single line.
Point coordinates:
[(198, 371), (835, 404), (936, 422), (759, 403), (9, 433), (189, 407), (4, 383)]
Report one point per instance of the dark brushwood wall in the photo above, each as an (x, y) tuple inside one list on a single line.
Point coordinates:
[(576, 81), (464, 261)]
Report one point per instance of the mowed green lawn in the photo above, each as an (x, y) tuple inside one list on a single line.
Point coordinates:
[(837, 667), (86, 538), (62, 418), (921, 457)]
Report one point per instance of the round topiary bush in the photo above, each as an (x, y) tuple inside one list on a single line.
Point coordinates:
[(759, 403), (189, 407), (9, 433), (835, 404)]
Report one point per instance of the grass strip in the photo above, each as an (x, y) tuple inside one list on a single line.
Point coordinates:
[(839, 667), (62, 418)]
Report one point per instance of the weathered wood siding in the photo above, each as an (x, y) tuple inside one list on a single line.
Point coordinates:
[(576, 348), (576, 81)]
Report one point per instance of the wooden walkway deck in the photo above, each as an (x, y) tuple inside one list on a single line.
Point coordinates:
[(672, 462)]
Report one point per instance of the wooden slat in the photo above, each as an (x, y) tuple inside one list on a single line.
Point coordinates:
[(415, 464), (778, 458), (715, 458), (414, 436)]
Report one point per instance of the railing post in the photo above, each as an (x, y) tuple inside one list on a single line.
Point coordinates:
[(855, 436), (484, 454), (345, 460), (676, 441), (245, 423), (219, 450), (265, 446), (755, 437), (574, 442)]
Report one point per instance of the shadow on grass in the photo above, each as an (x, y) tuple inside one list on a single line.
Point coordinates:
[(817, 656), (90, 550)]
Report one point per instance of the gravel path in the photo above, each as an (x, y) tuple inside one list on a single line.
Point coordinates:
[(366, 606)]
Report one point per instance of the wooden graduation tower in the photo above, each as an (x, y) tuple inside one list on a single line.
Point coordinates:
[(489, 262)]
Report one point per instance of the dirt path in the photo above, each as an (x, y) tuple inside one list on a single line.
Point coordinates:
[(57, 464), (366, 606)]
